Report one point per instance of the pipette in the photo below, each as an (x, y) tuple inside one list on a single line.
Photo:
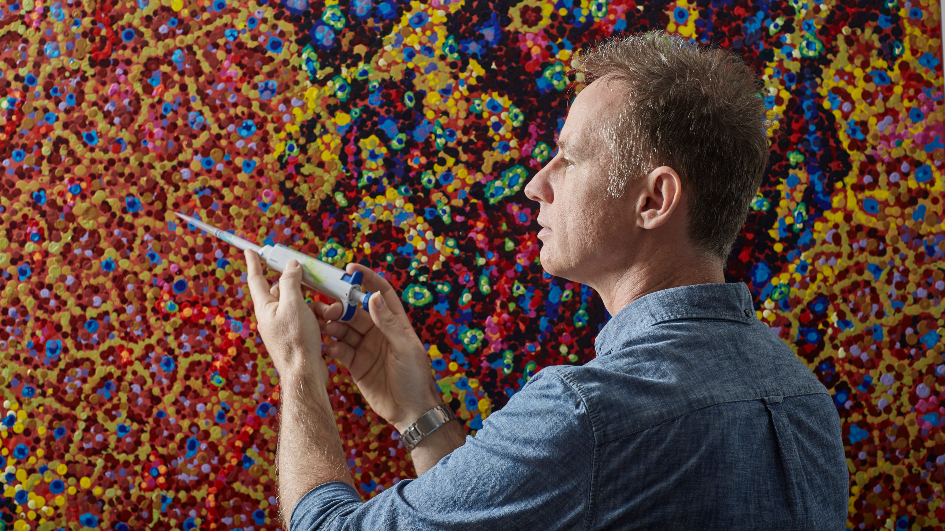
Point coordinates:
[(318, 275)]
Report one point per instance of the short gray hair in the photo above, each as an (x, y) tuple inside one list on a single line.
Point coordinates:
[(695, 109)]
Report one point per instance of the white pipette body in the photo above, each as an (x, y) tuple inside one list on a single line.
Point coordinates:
[(323, 278)]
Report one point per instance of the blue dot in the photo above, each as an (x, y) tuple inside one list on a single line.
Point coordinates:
[(419, 20), (180, 286), (91, 325), (681, 15), (57, 486), (263, 409), (246, 130), (21, 497), (871, 205), (128, 35), (50, 118), (88, 520), (133, 204), (207, 163), (53, 348), (275, 45), (51, 49), (21, 451), (923, 173)]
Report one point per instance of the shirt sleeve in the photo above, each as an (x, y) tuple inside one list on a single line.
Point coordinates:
[(529, 467)]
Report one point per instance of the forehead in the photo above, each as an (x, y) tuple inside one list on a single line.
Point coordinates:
[(591, 111)]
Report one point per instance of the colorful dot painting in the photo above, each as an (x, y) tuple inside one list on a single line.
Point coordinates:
[(136, 392)]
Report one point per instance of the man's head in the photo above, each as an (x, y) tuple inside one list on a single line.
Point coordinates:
[(665, 124)]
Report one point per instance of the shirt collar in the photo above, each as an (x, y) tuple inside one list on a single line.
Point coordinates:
[(729, 301)]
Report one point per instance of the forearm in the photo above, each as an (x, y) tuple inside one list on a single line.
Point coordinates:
[(437, 445), (310, 451)]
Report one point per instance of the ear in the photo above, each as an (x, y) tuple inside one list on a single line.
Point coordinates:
[(659, 198)]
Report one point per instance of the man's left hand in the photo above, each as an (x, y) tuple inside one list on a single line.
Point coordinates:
[(287, 325)]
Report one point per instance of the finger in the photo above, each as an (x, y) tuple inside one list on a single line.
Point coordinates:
[(342, 352), (377, 284), (389, 323), (274, 290), (258, 286), (291, 280), (322, 310), (343, 332), (372, 281)]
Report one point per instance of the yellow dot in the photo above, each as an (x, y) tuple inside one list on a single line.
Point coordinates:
[(85, 483), (62, 469)]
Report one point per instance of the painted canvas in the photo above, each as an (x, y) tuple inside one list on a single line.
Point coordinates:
[(137, 394)]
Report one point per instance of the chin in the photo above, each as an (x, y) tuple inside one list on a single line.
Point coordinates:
[(548, 262)]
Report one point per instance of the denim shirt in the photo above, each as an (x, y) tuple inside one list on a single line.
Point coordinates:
[(694, 415)]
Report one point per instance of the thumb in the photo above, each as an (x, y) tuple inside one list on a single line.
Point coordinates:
[(290, 284), (382, 316)]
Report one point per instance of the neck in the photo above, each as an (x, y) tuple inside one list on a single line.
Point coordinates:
[(663, 269)]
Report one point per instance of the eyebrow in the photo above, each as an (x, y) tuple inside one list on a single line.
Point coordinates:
[(561, 144)]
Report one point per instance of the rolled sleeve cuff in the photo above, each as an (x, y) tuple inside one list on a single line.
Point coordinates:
[(321, 505)]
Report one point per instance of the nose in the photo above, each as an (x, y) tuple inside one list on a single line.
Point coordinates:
[(539, 188)]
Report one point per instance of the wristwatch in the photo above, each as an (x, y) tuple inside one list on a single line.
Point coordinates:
[(428, 423)]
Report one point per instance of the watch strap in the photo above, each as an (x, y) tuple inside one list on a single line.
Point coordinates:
[(426, 424)]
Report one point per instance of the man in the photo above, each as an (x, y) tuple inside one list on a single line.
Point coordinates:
[(692, 416)]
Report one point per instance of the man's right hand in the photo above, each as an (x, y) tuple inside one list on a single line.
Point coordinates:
[(382, 352)]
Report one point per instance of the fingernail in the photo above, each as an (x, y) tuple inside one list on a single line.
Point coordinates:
[(380, 302), (293, 264)]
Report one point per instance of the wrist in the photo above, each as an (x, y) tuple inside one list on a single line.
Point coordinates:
[(304, 366), (426, 425), (408, 419)]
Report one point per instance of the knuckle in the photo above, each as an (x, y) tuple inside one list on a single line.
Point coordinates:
[(389, 321)]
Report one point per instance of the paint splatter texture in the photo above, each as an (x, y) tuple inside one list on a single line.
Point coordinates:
[(136, 392)]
